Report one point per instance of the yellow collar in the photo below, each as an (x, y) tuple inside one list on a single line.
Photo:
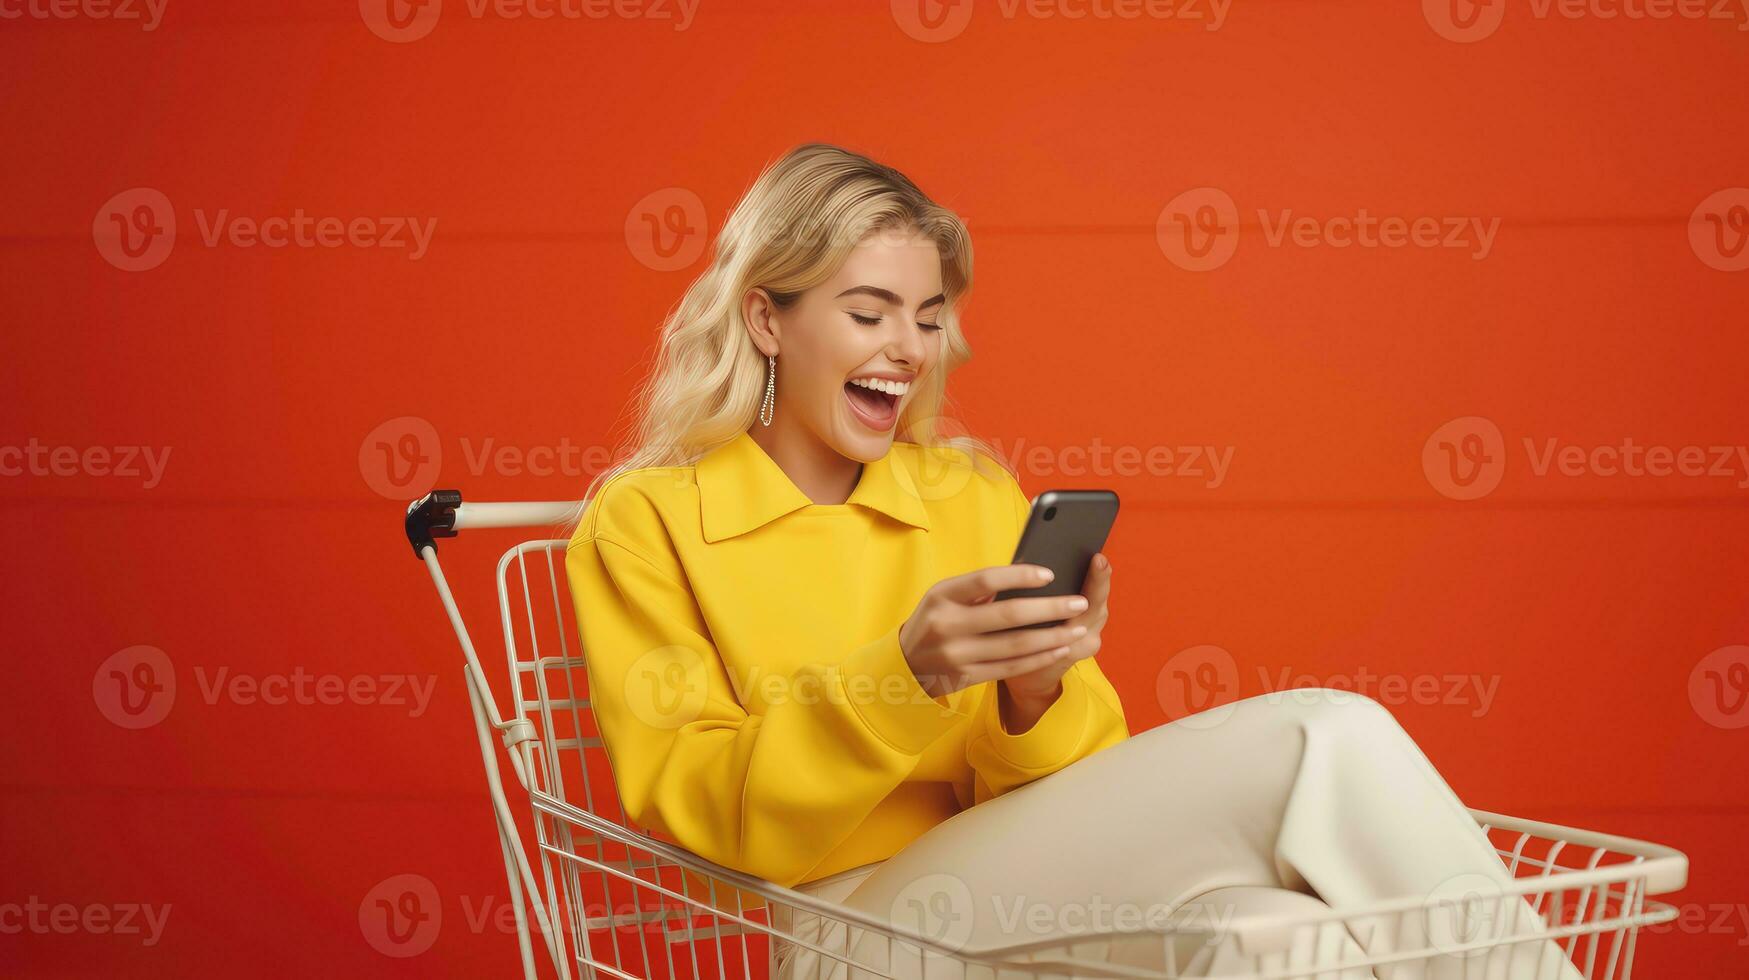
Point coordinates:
[(741, 488)]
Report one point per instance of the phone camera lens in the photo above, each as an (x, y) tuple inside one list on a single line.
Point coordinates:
[(1050, 513)]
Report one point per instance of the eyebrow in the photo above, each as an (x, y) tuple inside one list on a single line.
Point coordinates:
[(890, 296)]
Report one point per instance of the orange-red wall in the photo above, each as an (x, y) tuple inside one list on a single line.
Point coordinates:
[(1333, 546)]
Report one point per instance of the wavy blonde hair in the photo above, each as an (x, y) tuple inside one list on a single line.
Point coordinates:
[(791, 231)]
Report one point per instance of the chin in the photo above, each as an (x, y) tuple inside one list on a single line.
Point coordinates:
[(860, 444)]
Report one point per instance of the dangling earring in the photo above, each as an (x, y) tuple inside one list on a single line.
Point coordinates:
[(770, 403)]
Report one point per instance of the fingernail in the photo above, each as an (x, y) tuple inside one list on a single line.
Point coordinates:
[(1104, 562), (1078, 603), (1045, 574), (1078, 632)]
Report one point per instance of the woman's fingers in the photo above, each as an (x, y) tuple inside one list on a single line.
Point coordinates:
[(1022, 611), (1096, 590), (995, 670), (984, 647), (974, 586)]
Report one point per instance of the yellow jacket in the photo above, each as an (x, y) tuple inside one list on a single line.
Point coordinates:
[(744, 661)]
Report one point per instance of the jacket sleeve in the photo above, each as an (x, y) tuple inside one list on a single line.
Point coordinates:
[(1086, 717), (769, 793)]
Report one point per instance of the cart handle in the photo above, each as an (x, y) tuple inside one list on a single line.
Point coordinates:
[(441, 513)]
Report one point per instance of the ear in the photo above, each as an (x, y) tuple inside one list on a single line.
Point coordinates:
[(760, 315)]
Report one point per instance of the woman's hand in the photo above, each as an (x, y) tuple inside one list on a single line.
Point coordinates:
[(1029, 694), (951, 640)]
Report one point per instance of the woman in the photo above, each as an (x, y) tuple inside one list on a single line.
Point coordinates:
[(785, 597)]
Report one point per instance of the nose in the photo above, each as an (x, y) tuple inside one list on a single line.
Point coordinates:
[(908, 347)]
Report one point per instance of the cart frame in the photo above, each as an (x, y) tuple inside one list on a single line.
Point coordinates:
[(549, 738)]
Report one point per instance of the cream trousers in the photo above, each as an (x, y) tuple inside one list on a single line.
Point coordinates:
[(1282, 804)]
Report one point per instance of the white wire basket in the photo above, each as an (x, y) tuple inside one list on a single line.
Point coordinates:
[(607, 899)]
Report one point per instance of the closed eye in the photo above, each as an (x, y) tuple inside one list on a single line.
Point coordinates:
[(869, 321)]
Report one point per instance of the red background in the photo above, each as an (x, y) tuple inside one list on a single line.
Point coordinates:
[(265, 548)]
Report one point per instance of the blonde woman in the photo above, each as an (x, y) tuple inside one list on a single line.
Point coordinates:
[(785, 597)]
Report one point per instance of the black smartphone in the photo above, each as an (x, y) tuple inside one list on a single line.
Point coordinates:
[(1065, 529)]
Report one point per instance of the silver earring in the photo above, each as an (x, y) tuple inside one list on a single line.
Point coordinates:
[(770, 403)]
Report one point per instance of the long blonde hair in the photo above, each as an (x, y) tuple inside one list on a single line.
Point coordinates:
[(791, 231)]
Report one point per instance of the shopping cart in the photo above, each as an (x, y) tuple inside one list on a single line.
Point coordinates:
[(612, 900)]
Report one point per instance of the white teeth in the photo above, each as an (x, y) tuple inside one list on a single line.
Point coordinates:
[(881, 384)]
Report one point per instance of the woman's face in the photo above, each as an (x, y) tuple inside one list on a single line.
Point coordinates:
[(874, 321)]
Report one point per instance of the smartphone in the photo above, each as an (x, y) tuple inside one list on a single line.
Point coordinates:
[(1065, 529)]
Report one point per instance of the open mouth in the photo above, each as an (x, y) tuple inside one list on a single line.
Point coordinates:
[(875, 409)]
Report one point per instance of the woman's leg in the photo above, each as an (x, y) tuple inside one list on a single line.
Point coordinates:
[(1318, 792), (792, 961)]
